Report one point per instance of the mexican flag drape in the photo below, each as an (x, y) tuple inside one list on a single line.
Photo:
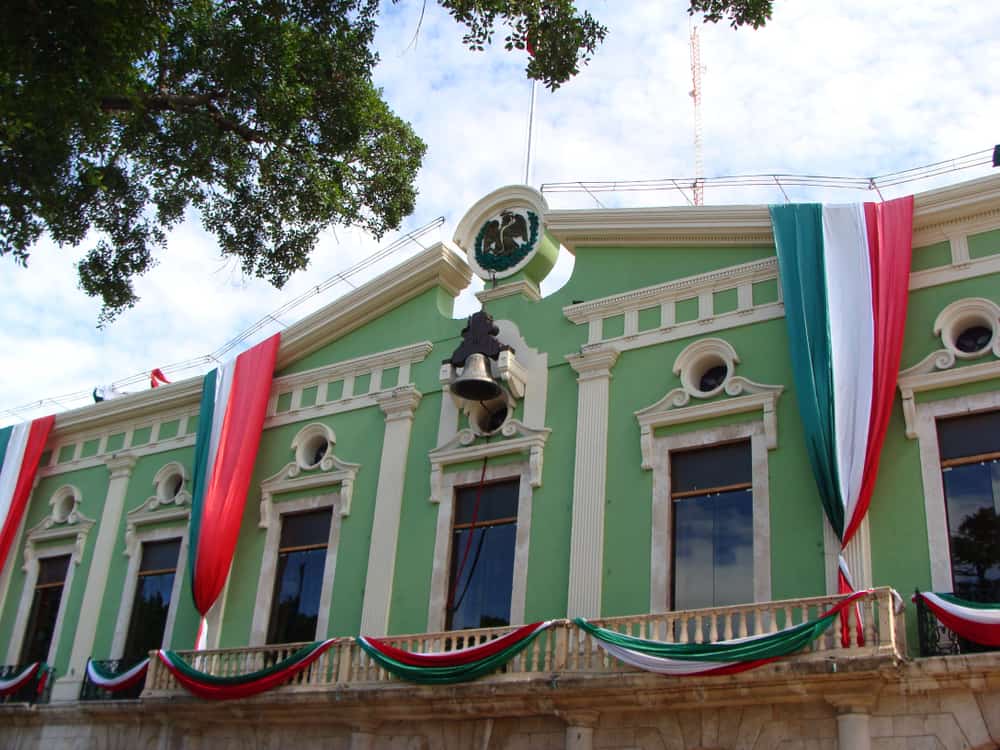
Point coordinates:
[(21, 448), (978, 622), (233, 404), (844, 275)]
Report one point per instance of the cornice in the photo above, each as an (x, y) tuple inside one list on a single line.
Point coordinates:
[(439, 265), (934, 211), (524, 287), (593, 363), (333, 471)]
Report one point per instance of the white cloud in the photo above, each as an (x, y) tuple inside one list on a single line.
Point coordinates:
[(849, 88)]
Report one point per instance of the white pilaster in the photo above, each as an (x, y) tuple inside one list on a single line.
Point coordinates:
[(68, 687), (586, 554), (398, 406)]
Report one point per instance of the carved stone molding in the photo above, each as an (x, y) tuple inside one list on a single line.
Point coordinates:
[(962, 314), (742, 396), (158, 508), (937, 370), (519, 438), (120, 465), (593, 363), (696, 358), (73, 528), (399, 403), (332, 471)]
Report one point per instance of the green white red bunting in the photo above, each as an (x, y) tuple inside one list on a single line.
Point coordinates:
[(450, 667), (14, 684), (116, 681), (975, 621), (719, 658), (215, 688)]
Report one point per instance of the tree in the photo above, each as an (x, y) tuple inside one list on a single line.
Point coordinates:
[(117, 116)]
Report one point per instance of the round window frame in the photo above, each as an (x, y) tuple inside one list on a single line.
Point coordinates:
[(963, 314), (304, 447), (698, 358)]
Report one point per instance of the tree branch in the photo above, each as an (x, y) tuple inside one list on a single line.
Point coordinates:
[(184, 103)]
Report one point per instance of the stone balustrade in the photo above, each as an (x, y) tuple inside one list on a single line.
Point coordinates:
[(565, 648)]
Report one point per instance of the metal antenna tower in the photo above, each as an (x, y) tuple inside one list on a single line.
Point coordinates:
[(696, 70)]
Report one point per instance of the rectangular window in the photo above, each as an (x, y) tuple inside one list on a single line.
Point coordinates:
[(153, 589), (483, 539), (298, 577), (44, 608), (970, 472), (712, 497)]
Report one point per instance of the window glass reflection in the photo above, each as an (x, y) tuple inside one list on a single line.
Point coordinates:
[(299, 577)]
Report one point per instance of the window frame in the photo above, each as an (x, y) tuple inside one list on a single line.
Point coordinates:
[(925, 427), (441, 570), (661, 553), (272, 513), (133, 550), (478, 525)]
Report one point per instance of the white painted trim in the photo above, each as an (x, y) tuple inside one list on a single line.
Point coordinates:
[(524, 287), (507, 197), (440, 570), (332, 471), (925, 431), (960, 315), (138, 518), (671, 291), (270, 520), (935, 371), (661, 553), (590, 468), (462, 448), (67, 538), (120, 468), (697, 357), (398, 406), (675, 408)]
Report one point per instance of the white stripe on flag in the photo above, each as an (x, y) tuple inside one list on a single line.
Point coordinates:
[(852, 341), (223, 385), (662, 665), (981, 616), (11, 469)]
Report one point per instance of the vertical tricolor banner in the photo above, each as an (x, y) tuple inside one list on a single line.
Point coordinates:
[(21, 448), (233, 403), (845, 273)]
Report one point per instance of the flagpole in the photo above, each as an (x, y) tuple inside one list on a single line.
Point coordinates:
[(531, 122)]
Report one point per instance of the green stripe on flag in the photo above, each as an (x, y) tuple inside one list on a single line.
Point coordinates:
[(5, 433), (770, 646), (798, 237), (202, 447), (243, 679), (447, 675), (951, 598)]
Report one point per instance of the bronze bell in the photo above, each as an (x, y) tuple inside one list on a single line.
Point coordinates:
[(476, 383)]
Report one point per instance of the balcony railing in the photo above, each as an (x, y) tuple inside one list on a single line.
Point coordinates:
[(564, 648)]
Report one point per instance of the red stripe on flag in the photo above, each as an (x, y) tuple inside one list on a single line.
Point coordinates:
[(977, 632), (454, 658), (226, 493), (38, 435), (890, 239)]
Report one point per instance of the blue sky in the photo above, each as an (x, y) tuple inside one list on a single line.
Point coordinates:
[(836, 88)]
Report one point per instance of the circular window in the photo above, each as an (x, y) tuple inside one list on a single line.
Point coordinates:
[(973, 339), (314, 450), (713, 378), (63, 506), (969, 327), (705, 366)]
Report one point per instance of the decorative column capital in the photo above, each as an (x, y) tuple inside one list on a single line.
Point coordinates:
[(585, 719), (120, 465), (399, 403), (861, 702), (591, 364)]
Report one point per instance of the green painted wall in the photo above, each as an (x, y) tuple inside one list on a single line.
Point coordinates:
[(640, 378)]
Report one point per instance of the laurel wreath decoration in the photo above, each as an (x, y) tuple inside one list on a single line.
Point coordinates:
[(492, 262)]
